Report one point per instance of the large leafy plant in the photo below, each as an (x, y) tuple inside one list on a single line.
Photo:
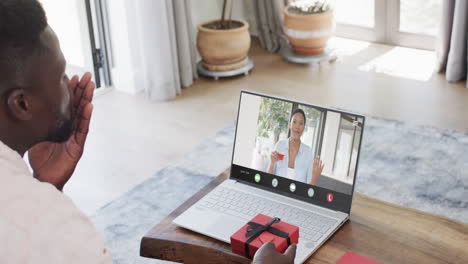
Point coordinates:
[(312, 115), (273, 118)]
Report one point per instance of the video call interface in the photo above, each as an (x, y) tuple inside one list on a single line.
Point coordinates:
[(303, 151)]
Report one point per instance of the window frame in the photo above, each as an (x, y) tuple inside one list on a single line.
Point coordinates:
[(350, 151), (386, 28)]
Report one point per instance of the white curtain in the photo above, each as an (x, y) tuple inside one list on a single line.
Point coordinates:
[(268, 15), (167, 54), (452, 42)]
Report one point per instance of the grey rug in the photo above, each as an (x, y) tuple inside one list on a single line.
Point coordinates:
[(127, 219), (415, 166)]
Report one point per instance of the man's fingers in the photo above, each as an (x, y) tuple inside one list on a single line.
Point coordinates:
[(73, 82), (87, 111), (85, 80), (85, 98), (77, 96), (89, 91), (80, 88), (85, 117), (84, 91), (269, 246), (83, 124), (291, 252), (78, 91)]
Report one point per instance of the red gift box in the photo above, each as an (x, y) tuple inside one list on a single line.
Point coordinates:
[(260, 230)]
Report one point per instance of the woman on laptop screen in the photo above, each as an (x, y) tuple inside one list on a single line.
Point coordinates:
[(293, 159)]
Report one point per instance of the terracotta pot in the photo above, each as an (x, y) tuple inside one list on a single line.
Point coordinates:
[(308, 34), (223, 49)]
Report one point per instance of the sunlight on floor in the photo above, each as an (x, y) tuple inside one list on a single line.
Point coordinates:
[(402, 62), (409, 63)]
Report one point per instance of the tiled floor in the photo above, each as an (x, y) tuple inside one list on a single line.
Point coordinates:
[(131, 138)]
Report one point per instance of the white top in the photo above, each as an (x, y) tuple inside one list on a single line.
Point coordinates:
[(302, 165), (291, 174), (39, 224)]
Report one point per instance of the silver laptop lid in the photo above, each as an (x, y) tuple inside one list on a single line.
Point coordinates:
[(300, 150)]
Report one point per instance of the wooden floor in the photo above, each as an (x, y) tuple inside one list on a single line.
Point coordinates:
[(131, 138)]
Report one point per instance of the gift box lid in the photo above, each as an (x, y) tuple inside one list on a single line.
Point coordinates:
[(283, 226), (239, 238)]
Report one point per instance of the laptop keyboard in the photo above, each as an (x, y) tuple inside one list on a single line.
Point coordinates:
[(240, 204)]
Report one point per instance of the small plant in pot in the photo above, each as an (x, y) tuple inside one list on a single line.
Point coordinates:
[(308, 24), (224, 43)]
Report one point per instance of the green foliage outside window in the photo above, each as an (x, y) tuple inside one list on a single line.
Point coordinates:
[(312, 115), (273, 117)]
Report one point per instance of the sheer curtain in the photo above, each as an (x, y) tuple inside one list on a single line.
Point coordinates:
[(269, 16), (166, 55), (452, 42)]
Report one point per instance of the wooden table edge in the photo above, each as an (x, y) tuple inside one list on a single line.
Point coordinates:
[(166, 244)]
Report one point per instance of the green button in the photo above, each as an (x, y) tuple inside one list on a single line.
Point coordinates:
[(257, 177)]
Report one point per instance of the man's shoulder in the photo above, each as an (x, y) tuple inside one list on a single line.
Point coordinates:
[(48, 226), (26, 201)]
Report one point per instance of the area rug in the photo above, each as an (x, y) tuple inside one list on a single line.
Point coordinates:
[(414, 166)]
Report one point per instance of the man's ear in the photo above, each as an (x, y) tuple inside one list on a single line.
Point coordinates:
[(19, 105)]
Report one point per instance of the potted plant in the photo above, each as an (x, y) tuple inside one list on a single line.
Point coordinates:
[(224, 43), (308, 25)]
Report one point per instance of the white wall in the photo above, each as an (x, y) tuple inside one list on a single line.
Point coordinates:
[(247, 129), (330, 136), (211, 9), (68, 20)]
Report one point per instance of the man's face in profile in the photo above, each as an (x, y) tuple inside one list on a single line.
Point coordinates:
[(53, 97)]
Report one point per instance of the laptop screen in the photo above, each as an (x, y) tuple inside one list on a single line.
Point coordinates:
[(303, 151)]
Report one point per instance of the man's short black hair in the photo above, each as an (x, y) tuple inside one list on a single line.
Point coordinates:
[(21, 24), (298, 110)]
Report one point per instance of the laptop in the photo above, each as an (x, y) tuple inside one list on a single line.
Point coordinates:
[(291, 160)]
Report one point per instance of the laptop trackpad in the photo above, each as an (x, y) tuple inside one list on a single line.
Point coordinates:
[(226, 226), (210, 223)]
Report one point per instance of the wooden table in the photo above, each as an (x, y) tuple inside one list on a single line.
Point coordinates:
[(382, 231)]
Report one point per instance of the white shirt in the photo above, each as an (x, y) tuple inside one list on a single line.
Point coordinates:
[(39, 224), (291, 174), (302, 165)]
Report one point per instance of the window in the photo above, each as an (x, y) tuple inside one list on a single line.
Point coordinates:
[(349, 135), (411, 23), (313, 130), (419, 16), (356, 12), (80, 27)]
